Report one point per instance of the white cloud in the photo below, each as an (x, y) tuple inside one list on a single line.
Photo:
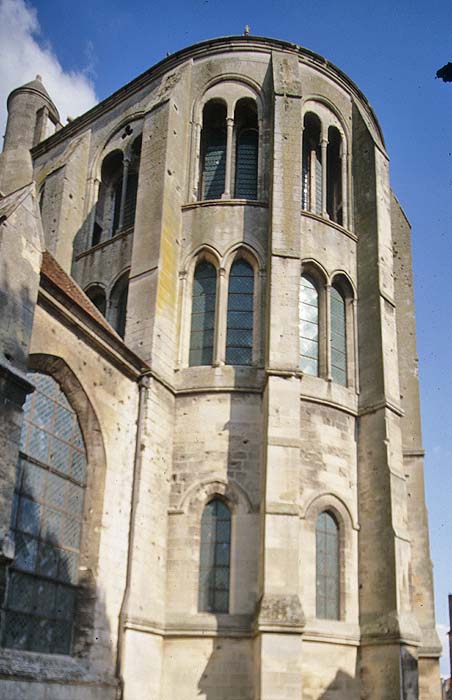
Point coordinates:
[(444, 638), (23, 54)]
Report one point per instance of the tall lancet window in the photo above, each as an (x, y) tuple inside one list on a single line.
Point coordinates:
[(213, 150), (247, 146), (338, 338), (47, 524), (327, 567), (309, 326), (215, 554), (203, 314), (239, 339), (311, 186)]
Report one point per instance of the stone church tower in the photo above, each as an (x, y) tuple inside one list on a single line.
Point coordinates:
[(211, 480)]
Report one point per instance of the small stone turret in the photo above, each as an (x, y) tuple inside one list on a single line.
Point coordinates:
[(32, 117)]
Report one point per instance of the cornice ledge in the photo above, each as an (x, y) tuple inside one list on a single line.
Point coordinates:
[(378, 406)]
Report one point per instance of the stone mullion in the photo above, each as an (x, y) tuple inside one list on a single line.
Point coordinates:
[(228, 174), (125, 174)]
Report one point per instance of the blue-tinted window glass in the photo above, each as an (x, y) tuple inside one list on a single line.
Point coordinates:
[(246, 166), (338, 338), (214, 566), (203, 315), (47, 523), (327, 567), (239, 338)]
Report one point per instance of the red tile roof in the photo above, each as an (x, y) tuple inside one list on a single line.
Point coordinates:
[(55, 273)]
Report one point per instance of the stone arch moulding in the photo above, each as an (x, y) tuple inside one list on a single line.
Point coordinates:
[(91, 430), (310, 509), (248, 253), (113, 141), (313, 268), (203, 252), (234, 78), (201, 492), (309, 104), (340, 276)]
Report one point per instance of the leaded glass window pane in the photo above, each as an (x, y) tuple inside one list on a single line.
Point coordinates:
[(246, 167), (203, 315), (47, 523), (327, 567), (239, 338), (214, 565), (309, 326), (338, 338)]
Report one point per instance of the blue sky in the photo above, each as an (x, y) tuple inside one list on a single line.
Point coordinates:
[(86, 50)]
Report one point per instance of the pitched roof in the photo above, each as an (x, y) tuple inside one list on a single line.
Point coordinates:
[(55, 273)]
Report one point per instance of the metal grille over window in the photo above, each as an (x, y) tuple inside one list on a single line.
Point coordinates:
[(203, 315), (246, 175), (239, 339), (215, 558), (338, 338), (47, 523), (327, 567), (309, 326)]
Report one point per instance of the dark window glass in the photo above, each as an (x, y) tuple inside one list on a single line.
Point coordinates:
[(246, 168), (311, 186), (239, 339), (215, 552), (338, 338), (47, 523), (334, 176), (213, 140), (203, 315), (327, 567), (309, 326)]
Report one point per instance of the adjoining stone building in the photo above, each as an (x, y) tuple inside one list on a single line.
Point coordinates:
[(211, 469)]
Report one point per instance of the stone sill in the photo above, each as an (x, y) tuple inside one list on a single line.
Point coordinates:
[(225, 203), (224, 378), (327, 222), (124, 233), (326, 392), (332, 632), (29, 665)]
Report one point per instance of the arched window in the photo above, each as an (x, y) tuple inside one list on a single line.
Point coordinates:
[(214, 566), (334, 176), (47, 523), (203, 314), (311, 190), (338, 339), (239, 337), (327, 567), (309, 326), (109, 199), (213, 150), (130, 200), (247, 141), (117, 312), (97, 296)]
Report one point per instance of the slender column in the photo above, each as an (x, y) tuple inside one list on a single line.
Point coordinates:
[(260, 160), (344, 186), (196, 160), (326, 307), (125, 172), (323, 147), (184, 320), (354, 308), (93, 188), (219, 350), (228, 175)]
